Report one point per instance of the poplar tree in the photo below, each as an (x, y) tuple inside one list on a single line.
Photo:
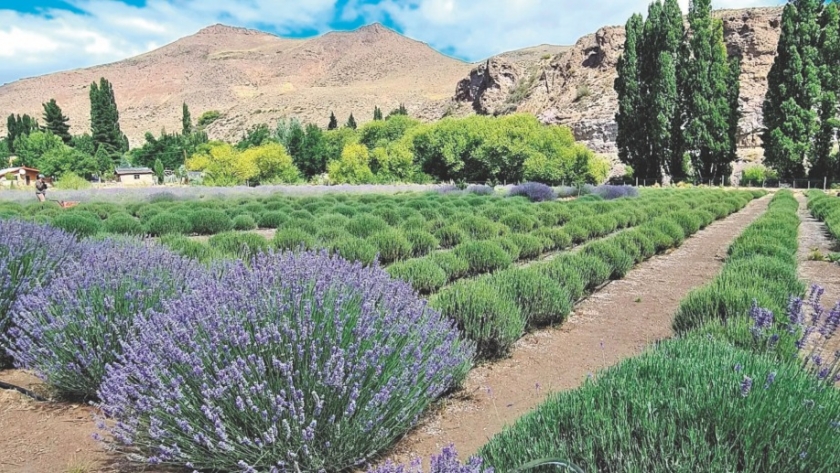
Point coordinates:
[(186, 120), (377, 113), (629, 101), (793, 90), (829, 48), (56, 122), (105, 120)]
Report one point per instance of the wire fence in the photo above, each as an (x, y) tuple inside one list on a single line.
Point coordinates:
[(823, 184)]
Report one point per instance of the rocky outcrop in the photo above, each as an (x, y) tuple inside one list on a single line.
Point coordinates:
[(575, 88), (488, 85)]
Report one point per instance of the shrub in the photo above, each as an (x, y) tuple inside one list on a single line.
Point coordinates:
[(485, 316), (608, 192), (30, 254), (765, 416), (566, 276), (614, 255), (81, 224), (450, 236), (479, 228), (554, 238), (483, 256), (529, 245), (55, 334), (422, 242), (510, 247), (70, 181), (239, 244), (244, 223), (166, 223), (451, 264), (540, 300), (519, 223), (189, 248), (332, 220), (534, 191), (689, 222), (391, 245), (592, 269), (423, 274), (331, 234), (123, 224), (354, 249), (480, 189), (210, 222), (293, 239), (262, 344), (273, 219)]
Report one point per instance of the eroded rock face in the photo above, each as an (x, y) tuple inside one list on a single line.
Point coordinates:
[(488, 85), (576, 89)]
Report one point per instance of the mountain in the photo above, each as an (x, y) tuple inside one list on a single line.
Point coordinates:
[(574, 87), (254, 77)]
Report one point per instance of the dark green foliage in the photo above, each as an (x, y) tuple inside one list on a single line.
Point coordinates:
[(553, 238), (483, 256), (244, 223), (518, 222), (676, 404), (479, 228), (688, 220), (391, 245), (563, 273), (257, 135), (312, 157), (186, 120), (333, 122), (541, 300), (613, 255), (272, 219), (208, 117), (422, 242), (422, 273), (507, 244), (165, 223), (56, 122), (628, 139), (210, 222), (829, 51), (189, 248), (529, 245), (239, 244), (293, 239), (491, 320), (450, 236), (364, 226), (17, 126), (123, 224), (351, 122), (81, 224), (105, 121), (354, 249), (377, 113)]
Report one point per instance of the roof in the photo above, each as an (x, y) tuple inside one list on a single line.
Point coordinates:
[(3, 172), (121, 171)]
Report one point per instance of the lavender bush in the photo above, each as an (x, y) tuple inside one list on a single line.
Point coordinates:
[(535, 191), (608, 192), (29, 254), (68, 329), (480, 189), (446, 462), (295, 362)]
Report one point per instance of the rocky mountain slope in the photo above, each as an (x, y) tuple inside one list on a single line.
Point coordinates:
[(575, 87), (254, 77)]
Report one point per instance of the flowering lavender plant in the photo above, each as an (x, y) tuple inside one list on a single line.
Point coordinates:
[(29, 253), (69, 329), (535, 191), (608, 192), (480, 189), (446, 462), (293, 362)]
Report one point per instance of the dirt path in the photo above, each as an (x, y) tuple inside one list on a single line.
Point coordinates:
[(813, 235), (617, 322)]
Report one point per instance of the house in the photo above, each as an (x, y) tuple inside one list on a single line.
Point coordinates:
[(19, 176), (136, 176)]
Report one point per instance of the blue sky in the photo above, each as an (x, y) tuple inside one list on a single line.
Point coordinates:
[(43, 36)]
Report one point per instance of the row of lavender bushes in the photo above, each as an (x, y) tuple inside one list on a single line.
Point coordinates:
[(289, 362), (539, 192)]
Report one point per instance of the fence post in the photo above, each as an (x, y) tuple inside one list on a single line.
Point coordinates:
[(809, 184), (825, 183), (637, 182)]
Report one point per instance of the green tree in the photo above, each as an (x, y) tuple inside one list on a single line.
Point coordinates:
[(31, 147), (706, 96), (793, 89), (353, 167), (384, 132), (158, 168), (401, 110), (377, 113), (312, 159), (186, 120), (273, 163), (84, 143), (333, 122), (104, 162), (207, 118), (105, 120), (56, 122), (295, 140), (169, 148), (62, 160), (17, 126), (630, 147), (351, 122), (257, 135), (829, 48)]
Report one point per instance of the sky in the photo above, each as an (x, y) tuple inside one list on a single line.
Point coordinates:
[(42, 36)]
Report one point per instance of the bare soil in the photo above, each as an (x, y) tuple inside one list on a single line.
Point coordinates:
[(613, 324), (814, 239)]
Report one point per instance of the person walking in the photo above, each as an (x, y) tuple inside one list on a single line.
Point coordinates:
[(41, 188)]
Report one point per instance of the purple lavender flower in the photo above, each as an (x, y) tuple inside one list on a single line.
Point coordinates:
[(746, 386), (446, 462), (610, 192), (771, 378), (238, 370), (534, 191), (480, 189)]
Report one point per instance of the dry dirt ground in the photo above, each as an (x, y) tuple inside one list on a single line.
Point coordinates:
[(814, 238), (613, 324)]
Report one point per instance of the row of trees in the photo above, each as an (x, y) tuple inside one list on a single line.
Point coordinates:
[(678, 95), (801, 105)]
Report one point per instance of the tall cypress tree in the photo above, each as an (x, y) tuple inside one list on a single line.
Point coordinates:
[(333, 122), (186, 120), (105, 120), (377, 113), (626, 86), (351, 122), (793, 89), (56, 122), (829, 48)]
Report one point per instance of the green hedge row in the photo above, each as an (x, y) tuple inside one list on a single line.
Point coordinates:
[(827, 209), (494, 310), (761, 266)]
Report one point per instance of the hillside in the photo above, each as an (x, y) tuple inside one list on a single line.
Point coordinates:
[(254, 77), (575, 87)]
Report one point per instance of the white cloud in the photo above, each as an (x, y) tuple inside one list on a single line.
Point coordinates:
[(109, 30)]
